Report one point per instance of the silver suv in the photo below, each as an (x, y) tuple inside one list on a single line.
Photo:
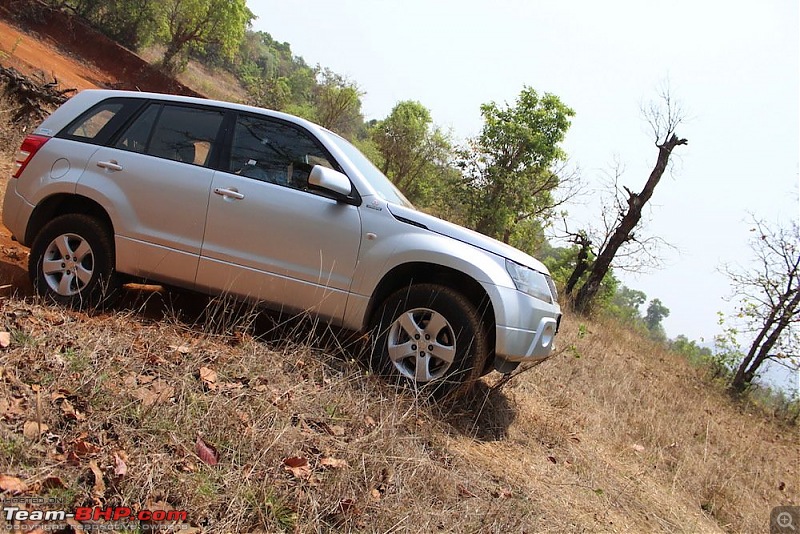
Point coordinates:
[(229, 199)]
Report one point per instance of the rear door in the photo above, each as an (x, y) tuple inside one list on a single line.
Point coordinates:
[(268, 237), (154, 178)]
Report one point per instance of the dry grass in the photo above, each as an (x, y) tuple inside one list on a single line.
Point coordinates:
[(626, 438)]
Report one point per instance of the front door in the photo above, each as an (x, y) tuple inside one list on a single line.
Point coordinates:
[(268, 237)]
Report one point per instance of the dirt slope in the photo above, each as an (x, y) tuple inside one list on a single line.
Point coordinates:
[(38, 57)]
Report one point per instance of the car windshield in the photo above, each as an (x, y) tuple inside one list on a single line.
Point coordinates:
[(384, 187)]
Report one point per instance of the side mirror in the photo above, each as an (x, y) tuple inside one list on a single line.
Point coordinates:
[(329, 180)]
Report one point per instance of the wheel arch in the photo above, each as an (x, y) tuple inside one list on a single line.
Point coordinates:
[(423, 272), (62, 204)]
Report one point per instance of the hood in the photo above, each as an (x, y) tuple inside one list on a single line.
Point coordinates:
[(470, 237)]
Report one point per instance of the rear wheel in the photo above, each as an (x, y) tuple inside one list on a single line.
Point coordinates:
[(72, 262), (431, 337)]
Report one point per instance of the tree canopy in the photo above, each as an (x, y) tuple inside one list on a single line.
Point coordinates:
[(192, 25), (414, 153), (509, 168)]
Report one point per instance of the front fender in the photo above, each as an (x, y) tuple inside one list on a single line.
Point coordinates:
[(388, 243)]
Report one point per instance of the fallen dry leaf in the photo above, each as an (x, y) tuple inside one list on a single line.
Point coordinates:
[(161, 506), (32, 430), (70, 412), (5, 339), (120, 467), (333, 463), (156, 391), (10, 409), (298, 467), (209, 377), (181, 349), (99, 485), (82, 448), (13, 485), (206, 452)]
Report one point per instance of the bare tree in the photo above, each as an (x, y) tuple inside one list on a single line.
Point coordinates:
[(639, 253), (769, 296), (664, 118)]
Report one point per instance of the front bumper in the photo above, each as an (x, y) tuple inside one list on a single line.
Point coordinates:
[(520, 345), (526, 328)]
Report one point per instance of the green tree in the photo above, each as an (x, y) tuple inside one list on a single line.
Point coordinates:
[(272, 93), (130, 22), (560, 262), (656, 312), (337, 103), (414, 153), (625, 304), (192, 25), (509, 169), (691, 350)]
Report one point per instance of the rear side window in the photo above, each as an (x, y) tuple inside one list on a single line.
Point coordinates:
[(98, 124), (177, 133), (136, 136)]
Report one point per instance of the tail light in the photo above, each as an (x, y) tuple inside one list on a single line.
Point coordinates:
[(30, 145)]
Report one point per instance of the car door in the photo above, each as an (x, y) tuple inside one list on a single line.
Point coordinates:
[(154, 178), (268, 237)]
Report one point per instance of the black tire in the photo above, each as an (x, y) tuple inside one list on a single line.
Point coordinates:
[(454, 331), (72, 262)]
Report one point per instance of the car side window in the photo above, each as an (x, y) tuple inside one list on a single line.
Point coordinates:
[(136, 136), (178, 133), (275, 152), (92, 123), (97, 124)]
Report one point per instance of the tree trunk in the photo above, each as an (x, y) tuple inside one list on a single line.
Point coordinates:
[(622, 233), (757, 355), (581, 265), (168, 61)]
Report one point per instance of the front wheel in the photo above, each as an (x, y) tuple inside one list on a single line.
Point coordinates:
[(72, 262), (431, 337)]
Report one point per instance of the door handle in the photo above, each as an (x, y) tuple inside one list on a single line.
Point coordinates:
[(110, 165), (229, 193)]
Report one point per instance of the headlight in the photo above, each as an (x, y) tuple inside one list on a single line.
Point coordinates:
[(529, 281)]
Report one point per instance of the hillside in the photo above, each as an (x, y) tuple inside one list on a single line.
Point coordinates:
[(131, 407)]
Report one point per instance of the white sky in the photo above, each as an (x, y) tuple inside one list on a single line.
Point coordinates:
[(733, 64)]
